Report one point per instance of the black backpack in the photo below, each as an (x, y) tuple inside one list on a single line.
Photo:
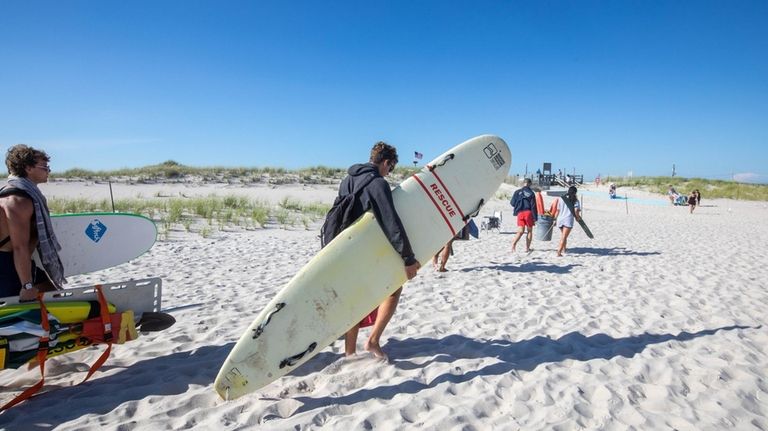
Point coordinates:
[(339, 217)]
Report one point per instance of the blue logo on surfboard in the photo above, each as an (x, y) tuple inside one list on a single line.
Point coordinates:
[(95, 230)]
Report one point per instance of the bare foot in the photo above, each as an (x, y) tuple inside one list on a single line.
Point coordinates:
[(376, 350), (559, 255), (442, 270)]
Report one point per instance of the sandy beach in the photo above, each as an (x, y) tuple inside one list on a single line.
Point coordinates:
[(657, 323)]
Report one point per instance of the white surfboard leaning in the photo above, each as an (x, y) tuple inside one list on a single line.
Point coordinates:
[(95, 241), (359, 268)]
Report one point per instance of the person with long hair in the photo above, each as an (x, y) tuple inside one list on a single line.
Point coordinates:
[(565, 217)]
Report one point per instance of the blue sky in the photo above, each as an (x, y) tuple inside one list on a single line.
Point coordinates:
[(597, 86)]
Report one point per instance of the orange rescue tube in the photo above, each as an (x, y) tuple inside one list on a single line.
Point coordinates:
[(539, 203), (553, 208)]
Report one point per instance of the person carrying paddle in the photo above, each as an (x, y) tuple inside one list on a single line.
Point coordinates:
[(376, 195), (25, 225), (524, 204), (565, 217)]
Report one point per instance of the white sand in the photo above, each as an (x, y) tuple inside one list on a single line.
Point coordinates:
[(657, 323)]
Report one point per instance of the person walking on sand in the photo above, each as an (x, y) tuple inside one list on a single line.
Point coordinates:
[(565, 217), (692, 201), (25, 225), (377, 196), (524, 207), (441, 257)]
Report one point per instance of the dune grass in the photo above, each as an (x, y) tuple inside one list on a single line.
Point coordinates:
[(713, 189), (173, 171), (203, 215)]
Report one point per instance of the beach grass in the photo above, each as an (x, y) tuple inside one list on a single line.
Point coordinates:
[(203, 215), (713, 189), (173, 171)]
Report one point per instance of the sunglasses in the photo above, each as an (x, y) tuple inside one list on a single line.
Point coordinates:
[(44, 167), (391, 166)]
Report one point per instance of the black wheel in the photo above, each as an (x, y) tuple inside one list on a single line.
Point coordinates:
[(153, 322)]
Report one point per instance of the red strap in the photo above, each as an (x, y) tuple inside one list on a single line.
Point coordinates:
[(107, 322), (42, 352)]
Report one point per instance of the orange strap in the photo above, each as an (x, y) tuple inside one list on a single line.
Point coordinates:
[(42, 352), (107, 323)]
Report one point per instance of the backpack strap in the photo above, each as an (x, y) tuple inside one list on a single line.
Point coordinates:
[(5, 240), (359, 187)]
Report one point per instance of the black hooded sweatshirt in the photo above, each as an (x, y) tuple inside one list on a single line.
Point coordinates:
[(377, 196)]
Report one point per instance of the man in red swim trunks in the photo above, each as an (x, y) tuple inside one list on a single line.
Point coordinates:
[(524, 204)]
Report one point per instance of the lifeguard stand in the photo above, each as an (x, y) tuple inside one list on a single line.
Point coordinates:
[(546, 177)]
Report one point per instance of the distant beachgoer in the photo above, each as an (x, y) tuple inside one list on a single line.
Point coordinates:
[(672, 194), (25, 225), (612, 191), (377, 196), (565, 217), (441, 258), (524, 204), (698, 197), (692, 202)]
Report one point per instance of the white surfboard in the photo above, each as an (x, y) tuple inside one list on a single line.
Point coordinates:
[(94, 241), (359, 268)]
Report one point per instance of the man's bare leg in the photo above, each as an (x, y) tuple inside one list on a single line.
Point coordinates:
[(386, 311), (528, 240), (519, 234), (350, 341)]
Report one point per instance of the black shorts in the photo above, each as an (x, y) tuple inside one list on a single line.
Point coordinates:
[(10, 285)]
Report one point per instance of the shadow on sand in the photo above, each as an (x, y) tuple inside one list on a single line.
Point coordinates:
[(615, 251), (522, 267), (513, 356), (174, 374), (165, 375)]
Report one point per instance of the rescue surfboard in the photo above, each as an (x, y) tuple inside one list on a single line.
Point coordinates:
[(359, 268)]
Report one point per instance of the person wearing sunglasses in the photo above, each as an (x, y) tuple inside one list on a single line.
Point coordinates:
[(25, 226), (372, 192)]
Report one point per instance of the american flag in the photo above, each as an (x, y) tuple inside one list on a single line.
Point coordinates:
[(417, 155)]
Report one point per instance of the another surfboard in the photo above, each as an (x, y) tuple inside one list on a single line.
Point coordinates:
[(96, 241), (64, 312), (579, 220), (359, 268)]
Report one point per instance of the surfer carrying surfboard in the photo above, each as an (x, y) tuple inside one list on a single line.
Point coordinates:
[(376, 195), (25, 224), (565, 216)]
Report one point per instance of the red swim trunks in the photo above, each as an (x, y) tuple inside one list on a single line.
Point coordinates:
[(525, 218)]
